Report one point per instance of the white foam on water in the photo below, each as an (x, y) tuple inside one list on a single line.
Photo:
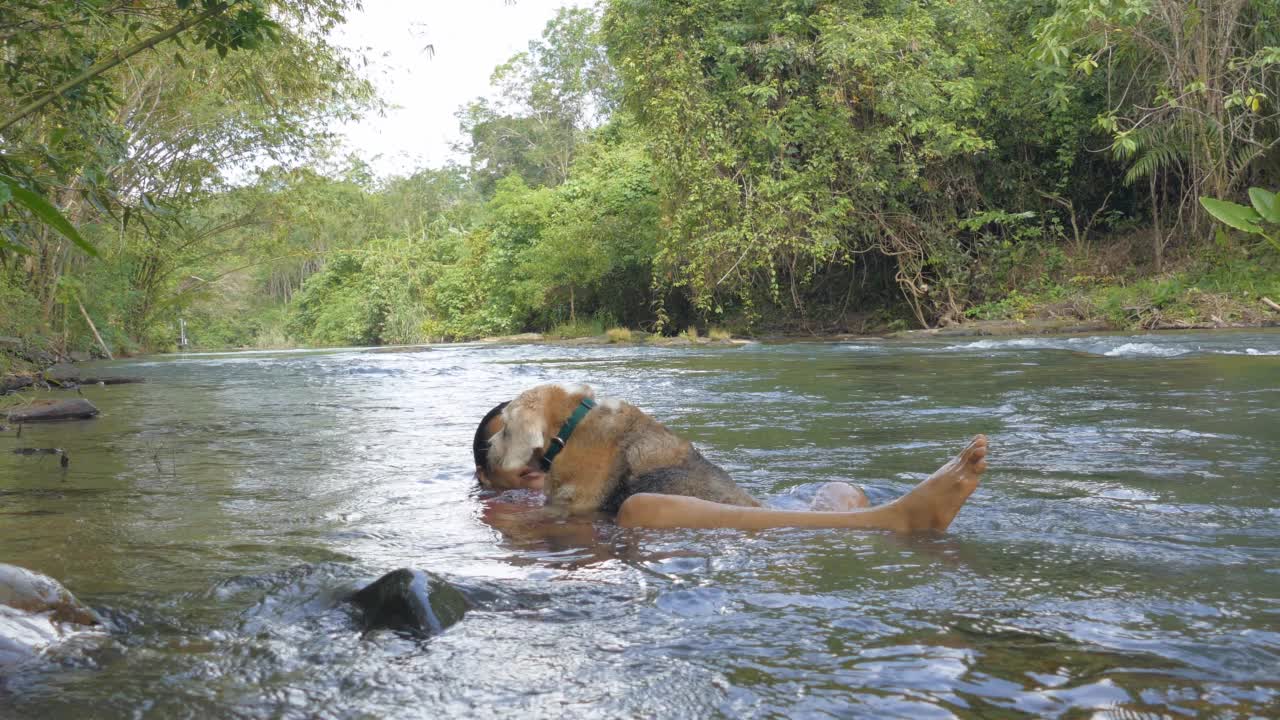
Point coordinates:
[(1146, 350), (1124, 493), (1131, 346), (1017, 343)]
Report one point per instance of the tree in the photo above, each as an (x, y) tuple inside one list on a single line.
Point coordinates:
[(47, 46), (547, 96), (1192, 89), (129, 146), (595, 250), (791, 137)]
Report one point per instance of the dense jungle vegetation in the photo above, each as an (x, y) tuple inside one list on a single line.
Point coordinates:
[(755, 165)]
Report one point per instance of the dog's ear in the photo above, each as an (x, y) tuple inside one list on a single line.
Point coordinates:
[(524, 431)]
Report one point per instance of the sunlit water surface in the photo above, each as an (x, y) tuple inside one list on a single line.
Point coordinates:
[(1122, 554)]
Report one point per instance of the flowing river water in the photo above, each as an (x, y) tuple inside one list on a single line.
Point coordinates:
[(1121, 555)]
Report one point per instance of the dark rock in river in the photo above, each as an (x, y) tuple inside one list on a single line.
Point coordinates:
[(50, 410), (78, 356), (62, 374), (68, 375), (410, 601), (37, 613)]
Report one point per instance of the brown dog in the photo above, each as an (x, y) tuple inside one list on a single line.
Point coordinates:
[(614, 452)]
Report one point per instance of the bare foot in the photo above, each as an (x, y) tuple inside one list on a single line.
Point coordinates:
[(838, 497), (933, 504)]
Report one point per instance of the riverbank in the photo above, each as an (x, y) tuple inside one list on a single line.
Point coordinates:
[(972, 328), (1091, 291), (22, 362), (26, 365), (1058, 294), (1034, 317)]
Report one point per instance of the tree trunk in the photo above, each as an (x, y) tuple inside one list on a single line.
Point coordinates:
[(94, 328), (1158, 240)]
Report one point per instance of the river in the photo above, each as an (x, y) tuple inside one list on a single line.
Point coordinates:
[(1122, 553)]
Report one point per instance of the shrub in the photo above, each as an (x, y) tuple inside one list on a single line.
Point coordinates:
[(576, 329), (619, 335)]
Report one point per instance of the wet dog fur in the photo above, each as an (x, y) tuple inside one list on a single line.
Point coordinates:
[(615, 452)]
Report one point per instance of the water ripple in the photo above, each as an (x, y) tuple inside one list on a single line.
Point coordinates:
[(1120, 558)]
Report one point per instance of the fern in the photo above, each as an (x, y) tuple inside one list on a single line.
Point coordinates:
[(1242, 157), (1160, 148)]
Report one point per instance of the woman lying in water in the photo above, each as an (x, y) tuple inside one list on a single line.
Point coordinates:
[(931, 505)]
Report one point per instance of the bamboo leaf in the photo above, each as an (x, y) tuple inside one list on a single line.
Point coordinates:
[(1237, 216), (42, 209), (13, 246)]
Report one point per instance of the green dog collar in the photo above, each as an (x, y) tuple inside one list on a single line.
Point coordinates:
[(562, 437)]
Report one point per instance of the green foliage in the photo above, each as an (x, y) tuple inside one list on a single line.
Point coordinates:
[(1192, 89), (579, 329), (127, 161), (369, 295), (43, 211), (548, 97), (1013, 306), (821, 133), (650, 164), (1257, 220), (21, 309), (1237, 216), (1223, 288)]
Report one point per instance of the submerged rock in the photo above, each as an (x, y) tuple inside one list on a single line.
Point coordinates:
[(36, 614), (49, 410), (68, 375), (410, 601)]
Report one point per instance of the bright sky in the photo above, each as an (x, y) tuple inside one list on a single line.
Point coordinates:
[(471, 37)]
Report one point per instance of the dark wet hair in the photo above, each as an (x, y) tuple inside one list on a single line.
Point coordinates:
[(480, 444)]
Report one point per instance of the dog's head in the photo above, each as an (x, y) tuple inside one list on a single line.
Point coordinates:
[(531, 420)]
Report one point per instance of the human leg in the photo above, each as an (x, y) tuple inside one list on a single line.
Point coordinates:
[(931, 505)]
